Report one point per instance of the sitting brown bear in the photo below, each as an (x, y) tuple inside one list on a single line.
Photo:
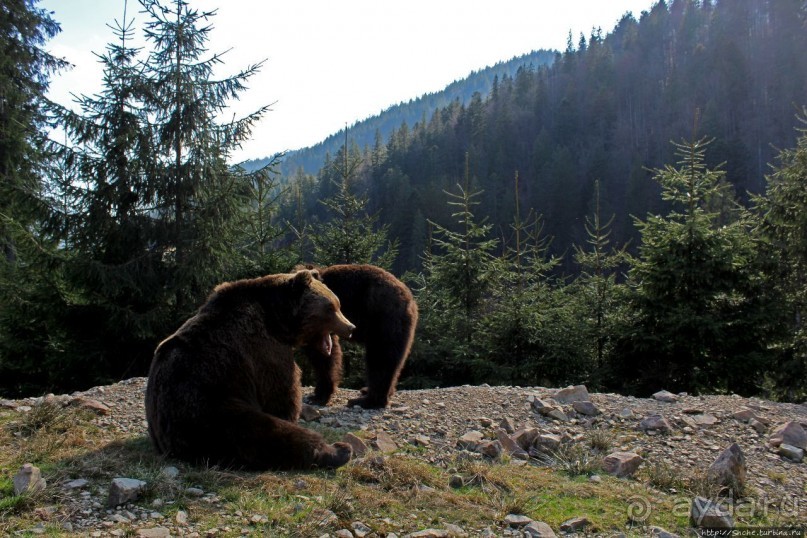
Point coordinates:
[(386, 315), (224, 388)]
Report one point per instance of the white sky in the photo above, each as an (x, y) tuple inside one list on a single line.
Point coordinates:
[(334, 62)]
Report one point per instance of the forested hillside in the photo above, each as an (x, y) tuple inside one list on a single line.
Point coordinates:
[(632, 217), (364, 132), (605, 111)]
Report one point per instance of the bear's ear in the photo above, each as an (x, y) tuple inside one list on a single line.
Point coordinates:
[(315, 274), (302, 279)]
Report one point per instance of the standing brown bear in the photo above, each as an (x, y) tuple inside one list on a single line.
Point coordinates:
[(224, 388), (386, 315)]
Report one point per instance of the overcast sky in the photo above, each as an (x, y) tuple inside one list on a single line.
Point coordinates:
[(334, 62)]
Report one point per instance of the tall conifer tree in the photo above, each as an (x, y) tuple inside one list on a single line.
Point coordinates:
[(150, 204), (784, 215), (29, 287), (701, 314)]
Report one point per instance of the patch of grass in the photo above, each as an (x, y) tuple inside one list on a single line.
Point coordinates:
[(600, 440), (573, 459), (663, 476), (399, 493), (778, 476)]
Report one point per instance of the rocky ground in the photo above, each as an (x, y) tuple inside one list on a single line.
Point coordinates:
[(683, 432)]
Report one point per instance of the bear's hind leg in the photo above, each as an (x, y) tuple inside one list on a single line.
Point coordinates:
[(384, 364)]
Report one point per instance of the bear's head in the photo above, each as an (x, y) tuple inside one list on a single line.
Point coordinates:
[(319, 312)]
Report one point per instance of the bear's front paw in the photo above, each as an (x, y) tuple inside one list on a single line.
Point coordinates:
[(367, 402), (332, 456)]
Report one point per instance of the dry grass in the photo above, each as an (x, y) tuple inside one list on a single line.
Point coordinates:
[(398, 493), (573, 459)]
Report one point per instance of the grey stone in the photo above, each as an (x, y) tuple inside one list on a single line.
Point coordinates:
[(655, 423), (356, 443), (517, 520), (525, 437), (576, 393), (510, 446), (575, 524), (705, 420), (539, 529), (28, 480), (759, 426), (790, 433), (705, 513), (621, 464), (490, 449), (541, 406), (791, 452), (310, 413), (744, 415), (384, 443), (170, 472), (429, 533), (665, 396), (456, 481), (360, 529), (453, 530), (547, 442), (557, 413), (76, 484), (99, 408), (124, 490), (507, 425), (470, 440), (586, 408), (729, 468)]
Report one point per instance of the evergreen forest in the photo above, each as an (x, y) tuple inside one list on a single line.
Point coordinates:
[(631, 215)]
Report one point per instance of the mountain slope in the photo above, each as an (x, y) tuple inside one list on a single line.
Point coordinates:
[(364, 132), (603, 114)]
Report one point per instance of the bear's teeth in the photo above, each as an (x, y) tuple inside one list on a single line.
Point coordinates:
[(327, 344)]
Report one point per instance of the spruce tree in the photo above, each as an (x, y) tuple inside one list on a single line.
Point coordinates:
[(701, 318), (351, 235), (459, 273), (260, 238), (783, 211), (148, 204), (518, 323), (197, 195), (600, 299), (30, 283), (25, 71)]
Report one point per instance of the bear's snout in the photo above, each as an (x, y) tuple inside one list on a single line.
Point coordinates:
[(346, 328)]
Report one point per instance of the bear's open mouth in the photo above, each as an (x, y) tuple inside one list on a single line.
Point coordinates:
[(327, 344)]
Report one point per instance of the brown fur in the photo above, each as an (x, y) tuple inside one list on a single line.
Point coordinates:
[(385, 314), (224, 388)]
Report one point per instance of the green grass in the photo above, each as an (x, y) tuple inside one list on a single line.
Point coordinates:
[(398, 493)]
